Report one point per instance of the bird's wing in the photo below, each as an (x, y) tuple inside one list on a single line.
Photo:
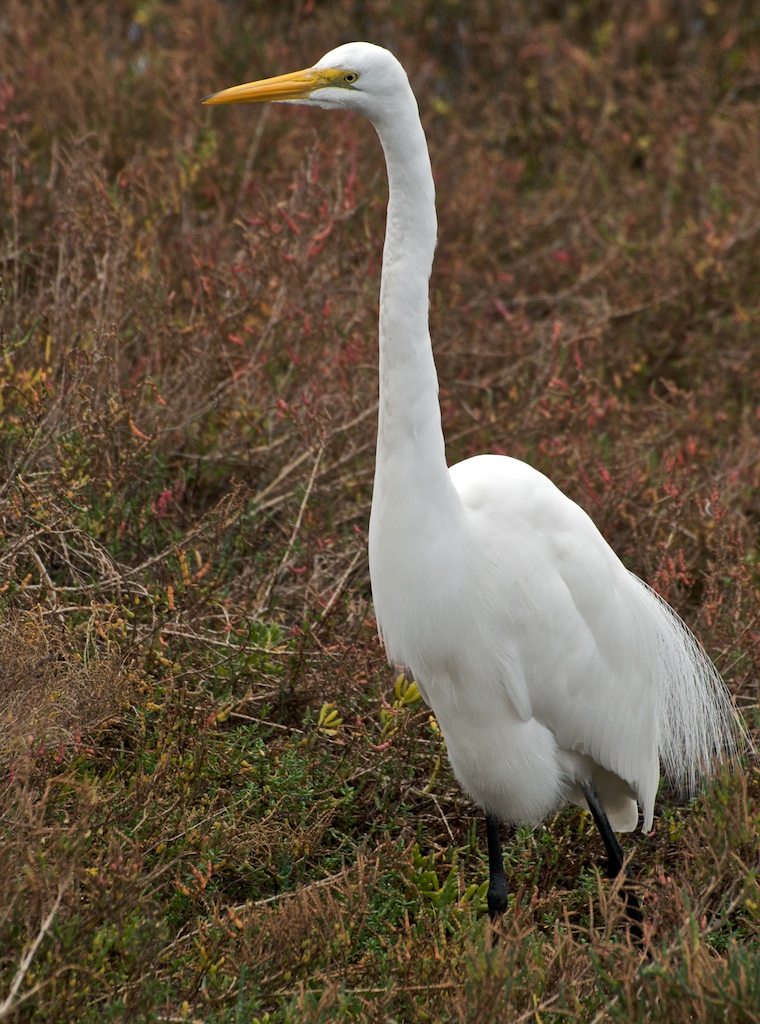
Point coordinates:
[(578, 654), (603, 700)]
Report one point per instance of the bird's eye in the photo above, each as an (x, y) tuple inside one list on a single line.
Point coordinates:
[(350, 77)]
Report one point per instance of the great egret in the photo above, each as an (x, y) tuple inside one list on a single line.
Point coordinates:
[(554, 673)]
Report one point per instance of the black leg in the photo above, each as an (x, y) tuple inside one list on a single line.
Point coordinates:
[(615, 856), (498, 891)]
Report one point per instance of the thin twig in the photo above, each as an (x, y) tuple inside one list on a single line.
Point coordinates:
[(8, 1006), (328, 880), (341, 586), (263, 599)]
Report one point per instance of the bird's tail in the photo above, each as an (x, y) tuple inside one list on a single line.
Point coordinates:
[(699, 726)]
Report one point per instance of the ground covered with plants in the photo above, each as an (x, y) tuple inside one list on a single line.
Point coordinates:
[(217, 801)]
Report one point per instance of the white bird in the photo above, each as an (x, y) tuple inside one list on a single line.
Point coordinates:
[(555, 674)]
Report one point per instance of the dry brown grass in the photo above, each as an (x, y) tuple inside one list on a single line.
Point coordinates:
[(50, 695)]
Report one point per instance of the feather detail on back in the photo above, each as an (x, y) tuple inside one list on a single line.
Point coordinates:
[(698, 726)]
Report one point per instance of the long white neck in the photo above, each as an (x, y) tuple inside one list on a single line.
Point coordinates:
[(410, 448)]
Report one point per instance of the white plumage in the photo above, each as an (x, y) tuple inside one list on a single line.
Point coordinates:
[(548, 665)]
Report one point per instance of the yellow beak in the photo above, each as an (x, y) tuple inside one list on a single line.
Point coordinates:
[(294, 86)]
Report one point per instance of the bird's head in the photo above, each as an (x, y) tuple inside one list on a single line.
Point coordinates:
[(355, 76)]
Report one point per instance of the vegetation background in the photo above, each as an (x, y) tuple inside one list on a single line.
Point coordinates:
[(217, 802)]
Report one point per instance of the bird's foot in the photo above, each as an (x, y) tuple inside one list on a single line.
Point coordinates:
[(633, 912), (497, 897)]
